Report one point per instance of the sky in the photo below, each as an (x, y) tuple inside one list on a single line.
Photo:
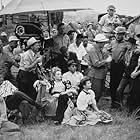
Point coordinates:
[(127, 7)]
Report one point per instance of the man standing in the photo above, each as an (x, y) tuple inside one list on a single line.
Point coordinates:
[(109, 21), (27, 74), (97, 63), (9, 49), (5, 64), (119, 48)]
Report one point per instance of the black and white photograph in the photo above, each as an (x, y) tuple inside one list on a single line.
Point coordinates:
[(69, 70)]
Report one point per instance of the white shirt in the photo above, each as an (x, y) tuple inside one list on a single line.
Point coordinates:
[(27, 58), (107, 21), (74, 78), (80, 51), (58, 87), (84, 100)]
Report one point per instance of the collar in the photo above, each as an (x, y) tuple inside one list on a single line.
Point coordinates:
[(86, 91)]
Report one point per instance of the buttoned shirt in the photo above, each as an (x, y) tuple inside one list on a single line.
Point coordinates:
[(118, 50), (79, 50), (74, 78), (96, 56), (27, 58), (85, 99), (107, 22)]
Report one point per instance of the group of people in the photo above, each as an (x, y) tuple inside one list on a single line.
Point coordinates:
[(78, 63)]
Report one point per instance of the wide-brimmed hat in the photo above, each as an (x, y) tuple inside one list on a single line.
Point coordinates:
[(71, 62), (101, 38), (120, 30), (31, 41), (13, 38)]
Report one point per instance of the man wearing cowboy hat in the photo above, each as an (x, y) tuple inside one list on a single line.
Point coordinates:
[(27, 71), (97, 63), (119, 48), (107, 22)]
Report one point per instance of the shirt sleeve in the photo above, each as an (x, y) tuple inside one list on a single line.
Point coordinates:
[(81, 102), (26, 61), (102, 21), (94, 59), (92, 95)]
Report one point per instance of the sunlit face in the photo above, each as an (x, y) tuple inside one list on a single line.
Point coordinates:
[(111, 12), (87, 85), (36, 47), (58, 75), (72, 68)]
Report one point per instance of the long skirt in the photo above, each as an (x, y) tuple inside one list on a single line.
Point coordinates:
[(75, 117)]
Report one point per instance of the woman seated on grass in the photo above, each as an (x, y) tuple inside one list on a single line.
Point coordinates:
[(87, 111)]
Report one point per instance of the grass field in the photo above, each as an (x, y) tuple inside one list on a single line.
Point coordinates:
[(122, 128)]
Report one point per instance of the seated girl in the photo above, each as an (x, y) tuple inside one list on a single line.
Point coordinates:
[(87, 111)]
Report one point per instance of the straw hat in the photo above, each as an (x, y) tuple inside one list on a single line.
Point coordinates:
[(31, 41)]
